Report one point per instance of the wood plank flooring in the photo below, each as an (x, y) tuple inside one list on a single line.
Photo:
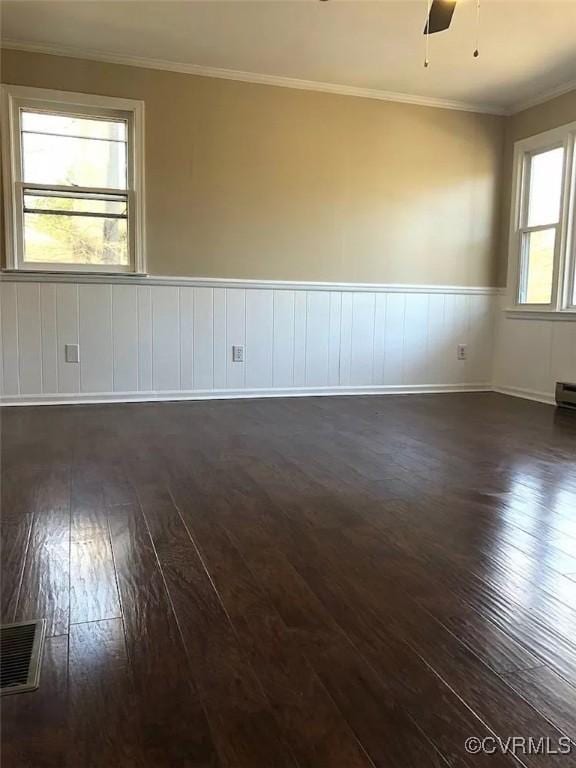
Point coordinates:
[(293, 583)]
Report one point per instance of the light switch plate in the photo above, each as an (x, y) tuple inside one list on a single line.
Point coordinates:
[(72, 353)]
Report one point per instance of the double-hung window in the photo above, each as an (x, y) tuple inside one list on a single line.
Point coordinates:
[(73, 181), (542, 258)]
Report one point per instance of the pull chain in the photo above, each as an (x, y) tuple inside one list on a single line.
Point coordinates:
[(427, 36), (477, 49)]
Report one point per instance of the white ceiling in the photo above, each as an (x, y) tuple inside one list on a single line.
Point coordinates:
[(527, 47)]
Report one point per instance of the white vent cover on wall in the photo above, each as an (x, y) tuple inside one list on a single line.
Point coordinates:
[(565, 395)]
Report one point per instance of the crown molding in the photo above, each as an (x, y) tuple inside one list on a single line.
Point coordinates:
[(543, 97), (252, 77)]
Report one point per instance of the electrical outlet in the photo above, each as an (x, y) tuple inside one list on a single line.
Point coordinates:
[(72, 353), (462, 351), (237, 354)]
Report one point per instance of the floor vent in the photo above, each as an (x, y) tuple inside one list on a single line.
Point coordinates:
[(565, 395), (20, 655)]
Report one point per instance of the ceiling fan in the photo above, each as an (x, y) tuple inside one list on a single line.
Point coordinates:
[(439, 16)]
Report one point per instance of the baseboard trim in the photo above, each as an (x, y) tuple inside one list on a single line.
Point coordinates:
[(99, 398), (526, 394)]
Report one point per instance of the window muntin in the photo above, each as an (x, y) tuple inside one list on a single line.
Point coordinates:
[(75, 187)]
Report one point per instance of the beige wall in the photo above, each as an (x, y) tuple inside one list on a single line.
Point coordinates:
[(253, 181), (531, 121)]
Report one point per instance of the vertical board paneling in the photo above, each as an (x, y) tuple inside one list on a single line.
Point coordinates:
[(451, 339), (334, 339), (67, 333), (563, 354), (436, 339), (95, 322), (283, 339), (49, 336), (531, 341), (362, 354), (479, 339), (463, 332), (178, 338), (125, 337), (346, 338), (219, 357), (317, 338), (203, 339), (9, 312), (259, 338), (394, 338), (379, 338), (300, 323), (235, 335), (520, 343), (165, 338), (145, 353), (458, 333), (186, 338), (29, 339), (415, 361)]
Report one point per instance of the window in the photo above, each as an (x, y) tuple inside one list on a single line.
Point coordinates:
[(542, 244), (73, 180)]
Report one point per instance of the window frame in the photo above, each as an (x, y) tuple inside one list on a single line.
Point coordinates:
[(16, 99), (563, 301)]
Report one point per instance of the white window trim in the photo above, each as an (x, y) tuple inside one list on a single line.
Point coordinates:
[(15, 97), (562, 304)]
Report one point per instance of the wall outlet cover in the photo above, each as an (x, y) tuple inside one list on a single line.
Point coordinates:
[(72, 353), (237, 353)]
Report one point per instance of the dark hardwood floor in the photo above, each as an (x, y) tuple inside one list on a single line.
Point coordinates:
[(312, 582)]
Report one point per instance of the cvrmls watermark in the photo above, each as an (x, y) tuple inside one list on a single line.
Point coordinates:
[(519, 745)]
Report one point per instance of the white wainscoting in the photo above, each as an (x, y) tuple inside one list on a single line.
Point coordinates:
[(532, 354), (170, 338)]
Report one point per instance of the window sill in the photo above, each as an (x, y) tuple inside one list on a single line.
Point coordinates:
[(54, 276), (517, 313)]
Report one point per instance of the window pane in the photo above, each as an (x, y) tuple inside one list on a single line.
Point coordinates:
[(539, 261), (72, 125), (74, 204), (65, 160), (545, 187), (53, 238)]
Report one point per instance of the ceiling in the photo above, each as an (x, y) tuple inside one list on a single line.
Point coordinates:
[(527, 47)]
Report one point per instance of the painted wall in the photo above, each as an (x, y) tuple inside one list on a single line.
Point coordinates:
[(260, 182)]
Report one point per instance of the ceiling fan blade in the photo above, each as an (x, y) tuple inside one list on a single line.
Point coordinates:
[(440, 16)]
